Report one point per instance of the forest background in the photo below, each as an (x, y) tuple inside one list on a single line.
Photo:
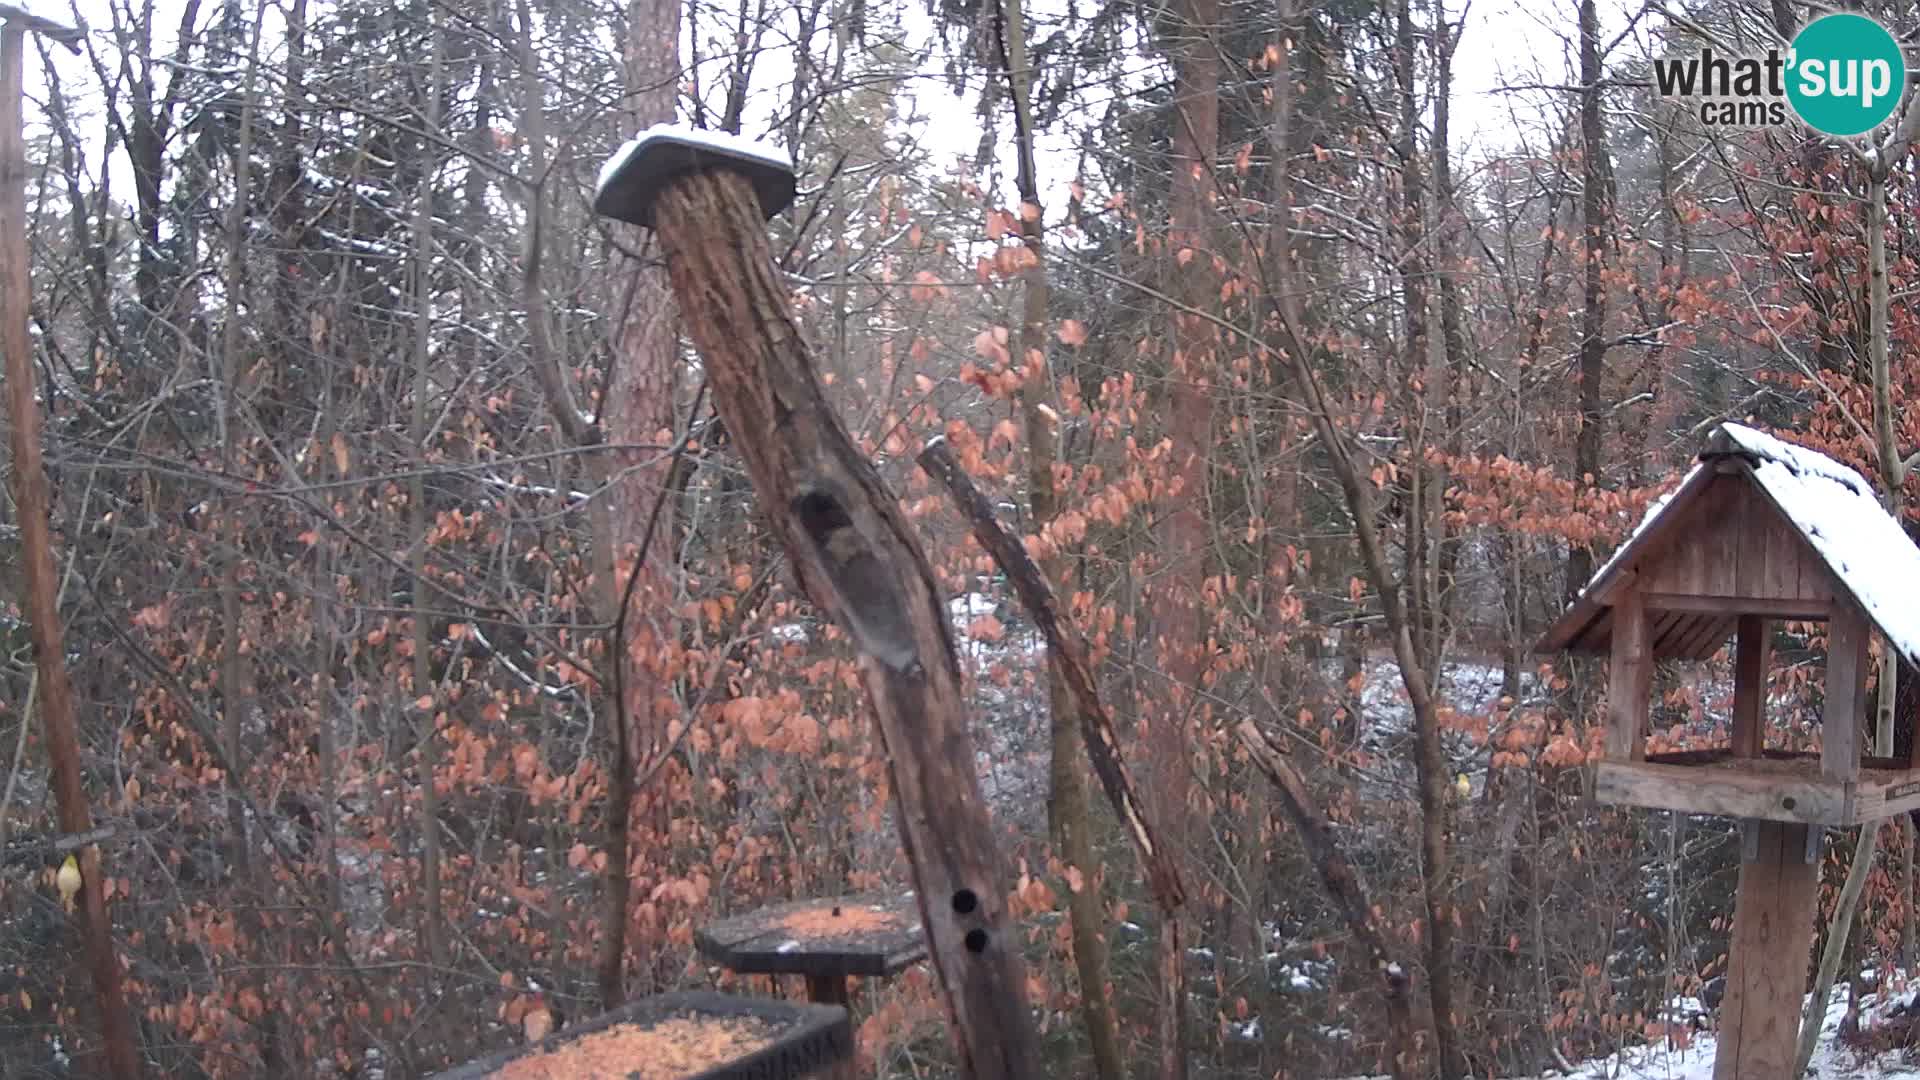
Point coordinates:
[(393, 518)]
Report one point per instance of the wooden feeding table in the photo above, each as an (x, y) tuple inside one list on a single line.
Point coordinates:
[(1759, 531), (686, 1036), (874, 935)]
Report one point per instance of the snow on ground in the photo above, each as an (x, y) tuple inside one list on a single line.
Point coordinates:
[(1832, 1060)]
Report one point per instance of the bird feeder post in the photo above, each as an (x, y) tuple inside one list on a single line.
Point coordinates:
[(1760, 532), (826, 940), (1773, 911), (707, 197)]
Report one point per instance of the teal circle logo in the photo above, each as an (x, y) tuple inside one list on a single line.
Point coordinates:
[(1845, 74)]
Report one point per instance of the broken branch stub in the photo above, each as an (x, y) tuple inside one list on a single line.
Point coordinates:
[(844, 533)]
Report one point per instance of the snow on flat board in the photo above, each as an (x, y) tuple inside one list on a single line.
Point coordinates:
[(740, 145)]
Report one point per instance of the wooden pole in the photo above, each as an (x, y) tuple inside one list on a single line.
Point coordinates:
[(856, 555), (1630, 679), (1846, 692), (36, 544), (1767, 956), (1750, 686), (833, 990)]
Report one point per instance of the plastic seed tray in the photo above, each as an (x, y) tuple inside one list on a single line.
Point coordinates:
[(794, 1040)]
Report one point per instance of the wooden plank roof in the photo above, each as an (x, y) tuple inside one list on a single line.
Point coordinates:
[(1831, 512)]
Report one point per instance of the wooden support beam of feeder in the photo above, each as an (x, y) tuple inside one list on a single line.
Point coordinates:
[(1630, 678), (33, 500), (1725, 792), (1846, 690), (1750, 686), (14, 16), (707, 198), (1767, 956)]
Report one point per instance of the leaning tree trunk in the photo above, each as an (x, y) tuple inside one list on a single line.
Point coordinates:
[(855, 554), (33, 501)]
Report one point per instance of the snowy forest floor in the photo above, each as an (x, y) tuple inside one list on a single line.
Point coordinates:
[(1833, 1058)]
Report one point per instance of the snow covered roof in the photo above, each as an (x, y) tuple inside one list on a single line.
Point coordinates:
[(1830, 508), (634, 174), (39, 17)]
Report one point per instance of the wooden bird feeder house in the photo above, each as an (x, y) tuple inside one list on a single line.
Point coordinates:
[(1760, 531)]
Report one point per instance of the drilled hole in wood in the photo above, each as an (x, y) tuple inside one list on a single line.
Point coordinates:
[(965, 902), (976, 940)]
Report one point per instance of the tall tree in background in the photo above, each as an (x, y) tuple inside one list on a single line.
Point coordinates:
[(1594, 215), (1067, 809), (1183, 634), (640, 531)]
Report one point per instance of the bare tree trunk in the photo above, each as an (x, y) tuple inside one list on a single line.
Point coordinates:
[(1893, 470), (1067, 808), (426, 701), (1453, 337), (1183, 535), (1907, 841), (41, 604), (1348, 892), (640, 407), (855, 554), (1593, 313), (1838, 930), (1436, 871), (235, 698)]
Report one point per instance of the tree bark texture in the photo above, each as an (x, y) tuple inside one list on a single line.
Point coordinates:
[(640, 405), (423, 690), (1436, 870), (32, 498), (797, 452), (1593, 310), (1183, 535)]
